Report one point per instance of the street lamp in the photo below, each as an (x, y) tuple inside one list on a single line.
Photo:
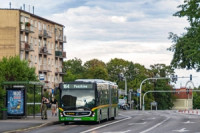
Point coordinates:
[(141, 88), (122, 76)]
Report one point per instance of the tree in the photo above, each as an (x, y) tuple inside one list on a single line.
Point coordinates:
[(187, 46), (95, 69), (196, 99), (164, 100), (14, 69), (74, 69), (115, 67)]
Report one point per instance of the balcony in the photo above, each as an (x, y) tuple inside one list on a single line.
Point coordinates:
[(44, 50), (62, 39), (27, 29), (44, 68), (44, 34), (64, 54), (26, 47), (60, 54), (59, 70)]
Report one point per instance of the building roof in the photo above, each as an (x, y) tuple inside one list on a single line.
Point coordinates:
[(33, 15)]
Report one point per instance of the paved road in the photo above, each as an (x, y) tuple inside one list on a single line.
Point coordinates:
[(133, 122)]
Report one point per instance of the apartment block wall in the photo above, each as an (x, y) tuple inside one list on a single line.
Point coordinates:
[(35, 39), (9, 33)]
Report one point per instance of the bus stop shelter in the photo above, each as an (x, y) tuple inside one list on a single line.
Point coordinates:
[(16, 100)]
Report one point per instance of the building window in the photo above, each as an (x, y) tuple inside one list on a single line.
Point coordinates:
[(35, 23), (49, 61), (21, 36), (39, 41), (39, 26), (35, 59), (22, 19), (35, 42), (26, 38), (26, 19)]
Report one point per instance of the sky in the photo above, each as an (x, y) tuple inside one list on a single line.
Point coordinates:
[(134, 30)]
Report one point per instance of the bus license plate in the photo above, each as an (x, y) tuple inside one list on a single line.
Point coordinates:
[(77, 119)]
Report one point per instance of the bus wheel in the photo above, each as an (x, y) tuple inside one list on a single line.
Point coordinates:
[(66, 123)]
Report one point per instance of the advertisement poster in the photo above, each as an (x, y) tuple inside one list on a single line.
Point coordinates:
[(15, 102)]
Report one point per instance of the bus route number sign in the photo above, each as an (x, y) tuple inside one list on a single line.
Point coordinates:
[(77, 86)]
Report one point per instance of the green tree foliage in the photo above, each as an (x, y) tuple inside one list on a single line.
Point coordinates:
[(74, 69), (196, 99), (164, 100), (95, 69), (14, 69), (187, 46), (115, 67)]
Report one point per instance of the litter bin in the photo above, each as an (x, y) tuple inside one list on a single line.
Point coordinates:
[(4, 113)]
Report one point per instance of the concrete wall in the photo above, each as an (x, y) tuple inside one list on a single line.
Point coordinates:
[(182, 104), (9, 33)]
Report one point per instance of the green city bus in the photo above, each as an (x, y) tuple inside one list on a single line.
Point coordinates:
[(88, 100)]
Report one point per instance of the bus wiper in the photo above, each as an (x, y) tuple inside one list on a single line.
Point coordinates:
[(85, 108)]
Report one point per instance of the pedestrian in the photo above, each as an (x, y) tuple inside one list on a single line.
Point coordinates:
[(54, 105), (43, 109)]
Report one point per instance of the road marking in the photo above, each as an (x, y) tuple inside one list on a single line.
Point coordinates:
[(156, 125), (136, 123), (149, 119), (188, 122), (106, 124), (181, 130), (119, 132)]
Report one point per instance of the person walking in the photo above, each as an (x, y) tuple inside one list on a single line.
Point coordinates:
[(43, 109), (54, 105)]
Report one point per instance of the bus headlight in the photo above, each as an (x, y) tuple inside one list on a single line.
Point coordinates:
[(93, 114), (61, 114)]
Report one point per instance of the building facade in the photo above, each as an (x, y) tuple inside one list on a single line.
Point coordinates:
[(35, 39), (184, 99)]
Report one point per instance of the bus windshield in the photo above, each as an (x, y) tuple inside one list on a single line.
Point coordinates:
[(78, 99)]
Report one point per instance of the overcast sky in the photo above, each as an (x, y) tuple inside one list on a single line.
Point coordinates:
[(135, 30)]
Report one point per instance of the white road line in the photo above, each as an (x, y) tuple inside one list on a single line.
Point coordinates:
[(119, 132), (188, 122), (137, 123), (181, 130), (149, 119), (155, 125), (106, 124)]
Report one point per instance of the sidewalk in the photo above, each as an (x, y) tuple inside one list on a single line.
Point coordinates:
[(24, 124)]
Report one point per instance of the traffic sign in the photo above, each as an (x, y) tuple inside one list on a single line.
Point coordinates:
[(41, 76)]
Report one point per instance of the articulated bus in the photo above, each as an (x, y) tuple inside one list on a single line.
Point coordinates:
[(88, 100)]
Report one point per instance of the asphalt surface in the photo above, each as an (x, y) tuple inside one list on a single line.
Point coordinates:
[(26, 124), (129, 121)]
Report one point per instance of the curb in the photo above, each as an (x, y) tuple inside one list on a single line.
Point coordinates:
[(35, 127)]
